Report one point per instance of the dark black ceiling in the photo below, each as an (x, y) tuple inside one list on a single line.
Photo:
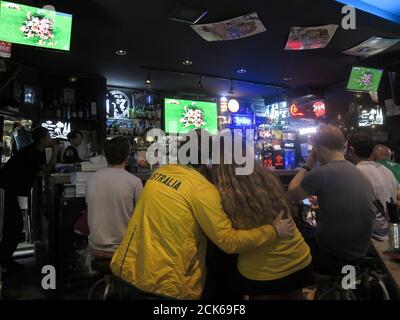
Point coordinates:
[(142, 28)]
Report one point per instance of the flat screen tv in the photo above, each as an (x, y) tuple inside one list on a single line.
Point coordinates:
[(33, 26), (182, 116), (364, 79)]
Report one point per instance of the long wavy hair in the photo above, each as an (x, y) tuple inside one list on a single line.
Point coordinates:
[(251, 200)]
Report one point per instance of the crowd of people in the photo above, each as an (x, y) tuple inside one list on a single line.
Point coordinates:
[(156, 237)]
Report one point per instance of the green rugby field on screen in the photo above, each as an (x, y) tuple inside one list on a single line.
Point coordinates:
[(182, 116), (364, 79), (31, 26)]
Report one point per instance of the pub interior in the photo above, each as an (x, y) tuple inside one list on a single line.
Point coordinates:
[(284, 76)]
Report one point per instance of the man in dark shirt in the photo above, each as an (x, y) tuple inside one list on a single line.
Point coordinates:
[(345, 197), (17, 177)]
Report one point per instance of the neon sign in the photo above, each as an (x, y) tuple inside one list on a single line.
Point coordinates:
[(319, 109), (118, 104), (294, 111), (242, 120)]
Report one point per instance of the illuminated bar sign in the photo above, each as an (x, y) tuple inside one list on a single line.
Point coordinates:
[(242, 120), (118, 104), (310, 111), (57, 129)]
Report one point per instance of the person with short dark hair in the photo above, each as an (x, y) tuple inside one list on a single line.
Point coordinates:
[(359, 150), (111, 196), (71, 154), (17, 177), (345, 197)]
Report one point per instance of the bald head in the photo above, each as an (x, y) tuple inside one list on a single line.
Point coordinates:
[(381, 152), (330, 137)]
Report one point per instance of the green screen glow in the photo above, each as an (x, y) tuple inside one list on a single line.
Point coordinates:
[(182, 116), (32, 26)]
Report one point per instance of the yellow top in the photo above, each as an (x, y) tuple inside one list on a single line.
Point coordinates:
[(163, 251)]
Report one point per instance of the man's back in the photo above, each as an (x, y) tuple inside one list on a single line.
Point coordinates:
[(111, 197), (346, 217), (20, 171), (383, 182)]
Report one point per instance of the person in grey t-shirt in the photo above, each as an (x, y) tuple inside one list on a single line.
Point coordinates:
[(359, 149), (345, 197), (111, 195)]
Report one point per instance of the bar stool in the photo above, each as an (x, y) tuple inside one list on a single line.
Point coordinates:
[(106, 283)]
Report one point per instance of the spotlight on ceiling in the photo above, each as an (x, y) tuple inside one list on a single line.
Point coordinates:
[(73, 79), (121, 52), (187, 62), (231, 90), (241, 71)]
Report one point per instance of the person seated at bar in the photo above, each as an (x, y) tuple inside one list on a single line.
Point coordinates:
[(71, 154), (382, 155), (345, 197), (111, 196), (17, 177), (281, 269), (359, 150), (163, 252)]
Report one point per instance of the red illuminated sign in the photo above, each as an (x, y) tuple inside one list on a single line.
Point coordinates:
[(319, 109), (294, 111)]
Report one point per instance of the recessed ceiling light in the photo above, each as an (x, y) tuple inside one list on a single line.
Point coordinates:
[(121, 52), (187, 62), (241, 71), (73, 79)]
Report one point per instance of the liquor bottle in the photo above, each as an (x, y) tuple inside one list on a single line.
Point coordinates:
[(93, 109), (87, 111), (80, 112), (68, 111), (73, 113), (58, 113)]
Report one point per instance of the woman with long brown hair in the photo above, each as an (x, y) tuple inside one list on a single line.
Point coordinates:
[(278, 270)]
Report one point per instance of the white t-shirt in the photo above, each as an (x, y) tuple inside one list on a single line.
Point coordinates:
[(385, 186), (111, 195)]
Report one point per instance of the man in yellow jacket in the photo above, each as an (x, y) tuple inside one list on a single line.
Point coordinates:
[(163, 251)]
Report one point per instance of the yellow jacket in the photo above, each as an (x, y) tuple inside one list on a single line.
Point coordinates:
[(163, 251)]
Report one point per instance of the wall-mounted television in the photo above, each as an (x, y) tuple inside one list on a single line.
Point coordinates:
[(33, 26), (364, 79), (182, 116)]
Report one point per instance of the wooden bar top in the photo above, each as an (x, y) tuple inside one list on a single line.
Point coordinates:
[(392, 267)]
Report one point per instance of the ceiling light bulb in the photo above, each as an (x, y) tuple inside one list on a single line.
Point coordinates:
[(121, 52), (187, 62)]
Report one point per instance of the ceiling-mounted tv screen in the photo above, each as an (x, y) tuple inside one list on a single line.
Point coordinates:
[(364, 79), (182, 116), (33, 26)]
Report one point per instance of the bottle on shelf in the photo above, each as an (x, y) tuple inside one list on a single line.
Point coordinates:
[(73, 112), (93, 109), (80, 112), (68, 111), (58, 112), (87, 111)]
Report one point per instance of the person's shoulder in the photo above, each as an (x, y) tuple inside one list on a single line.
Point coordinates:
[(134, 179)]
